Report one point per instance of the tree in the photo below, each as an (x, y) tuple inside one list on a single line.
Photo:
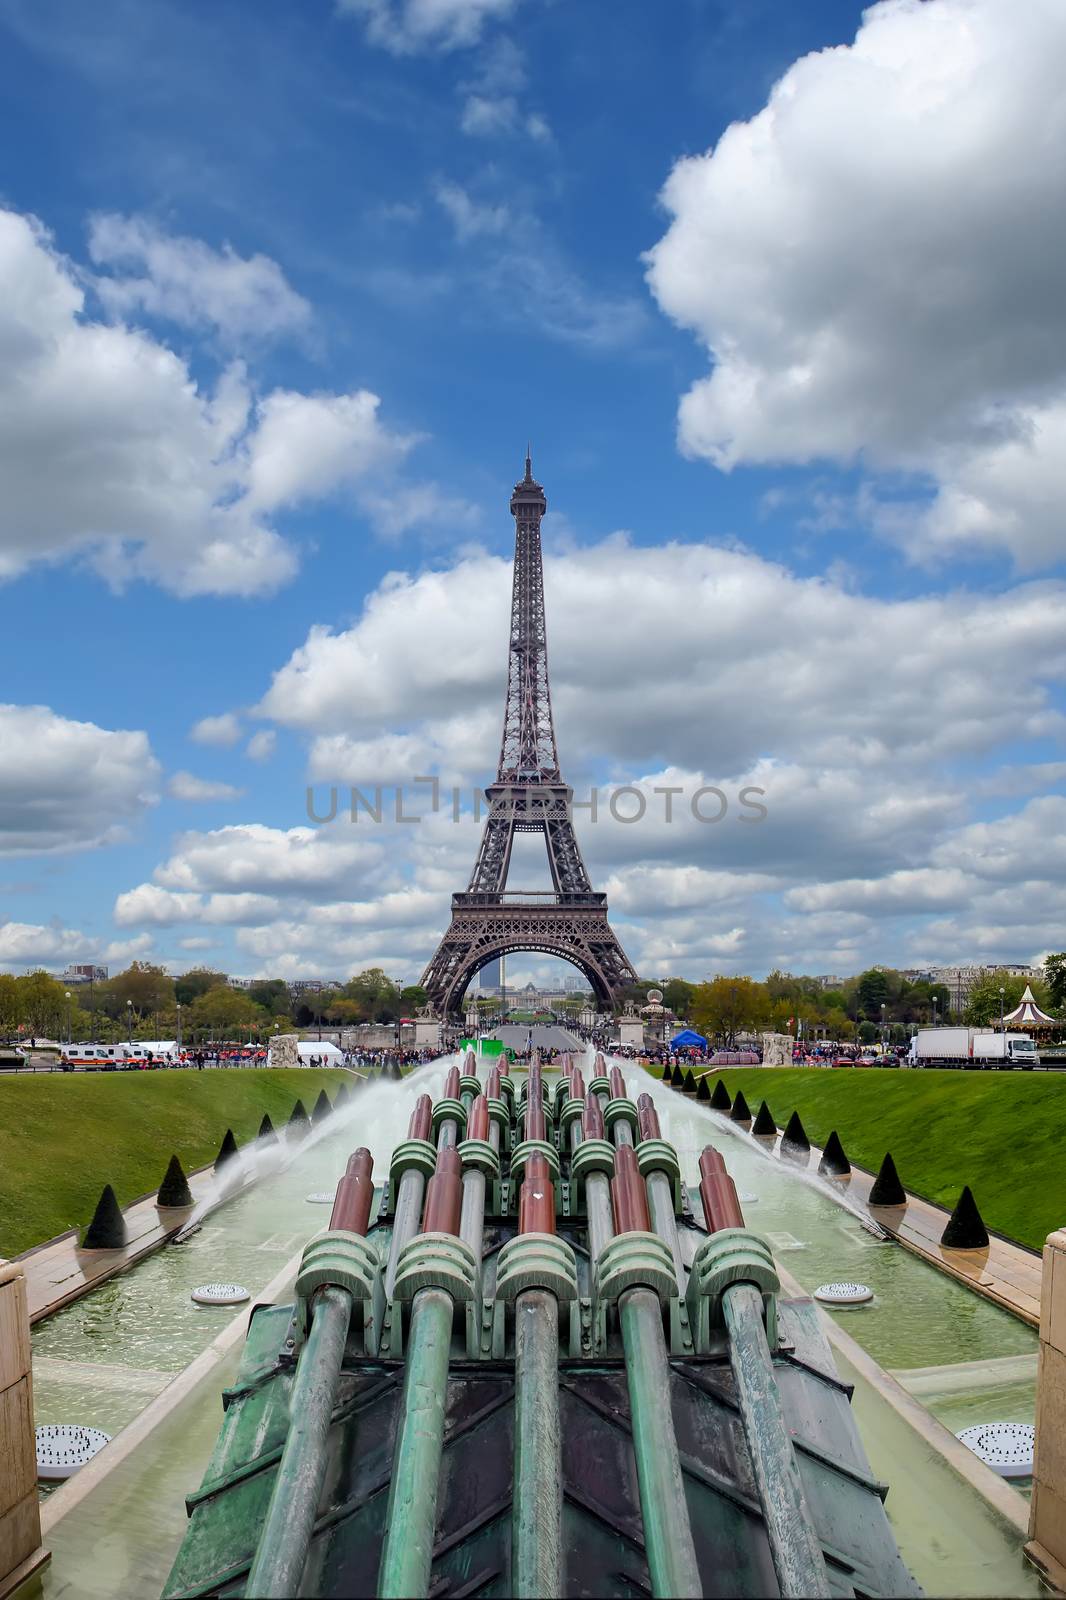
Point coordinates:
[(344, 1012), (677, 996), (1055, 978), (728, 1005), (224, 1010), (40, 1003), (148, 989), (376, 994), (271, 993), (191, 985), (872, 993), (412, 998)]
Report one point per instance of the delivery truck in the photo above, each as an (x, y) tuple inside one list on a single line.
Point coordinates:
[(971, 1047)]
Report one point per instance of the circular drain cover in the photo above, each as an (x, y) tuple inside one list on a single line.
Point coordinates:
[(1006, 1447), (844, 1294), (220, 1294), (64, 1447), (321, 1197)]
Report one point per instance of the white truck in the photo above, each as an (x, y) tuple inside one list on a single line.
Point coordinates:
[(971, 1047)]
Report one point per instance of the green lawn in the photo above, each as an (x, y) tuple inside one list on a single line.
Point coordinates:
[(64, 1135), (1003, 1133)]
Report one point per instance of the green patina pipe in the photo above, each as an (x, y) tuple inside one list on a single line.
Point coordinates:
[(281, 1555), (794, 1545), (537, 1495), (411, 1519), (664, 1509)]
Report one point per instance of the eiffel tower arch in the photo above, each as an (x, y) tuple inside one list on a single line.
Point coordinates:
[(528, 796)]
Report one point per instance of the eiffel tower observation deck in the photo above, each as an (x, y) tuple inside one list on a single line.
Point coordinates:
[(528, 796)]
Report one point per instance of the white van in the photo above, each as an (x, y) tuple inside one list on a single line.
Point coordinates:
[(93, 1057)]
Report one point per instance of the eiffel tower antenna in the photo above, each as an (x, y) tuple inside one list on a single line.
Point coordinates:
[(528, 796)]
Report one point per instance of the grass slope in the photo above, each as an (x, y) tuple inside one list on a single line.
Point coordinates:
[(1003, 1133), (62, 1137)]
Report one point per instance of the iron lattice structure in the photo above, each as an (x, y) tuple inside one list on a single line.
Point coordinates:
[(528, 796)]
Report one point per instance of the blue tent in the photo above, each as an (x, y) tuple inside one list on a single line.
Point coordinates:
[(688, 1040)]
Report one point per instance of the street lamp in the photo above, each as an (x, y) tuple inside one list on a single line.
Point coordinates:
[(129, 1022), (934, 1010), (67, 994), (1002, 1023), (179, 1026), (882, 1027)]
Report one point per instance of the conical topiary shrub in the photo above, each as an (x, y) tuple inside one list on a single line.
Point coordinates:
[(720, 1100), (764, 1126), (226, 1150), (795, 1145), (704, 1090), (678, 1077), (740, 1112), (834, 1163), (107, 1230), (668, 1073), (321, 1108), (299, 1123), (341, 1096), (266, 1130), (965, 1230), (688, 1083), (887, 1189), (174, 1189)]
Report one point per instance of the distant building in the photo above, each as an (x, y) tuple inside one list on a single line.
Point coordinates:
[(313, 985), (83, 972), (489, 976)]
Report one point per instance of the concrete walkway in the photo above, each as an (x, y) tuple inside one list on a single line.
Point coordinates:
[(59, 1271)]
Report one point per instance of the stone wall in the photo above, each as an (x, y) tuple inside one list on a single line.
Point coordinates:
[(1047, 1515), (20, 1519)]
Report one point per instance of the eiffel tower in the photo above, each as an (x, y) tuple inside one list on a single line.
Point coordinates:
[(529, 796)]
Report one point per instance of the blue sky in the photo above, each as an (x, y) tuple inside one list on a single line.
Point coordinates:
[(773, 292)]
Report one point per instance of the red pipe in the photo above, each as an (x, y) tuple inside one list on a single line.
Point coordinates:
[(618, 1084), (478, 1125), (421, 1123), (536, 1198), (355, 1194), (451, 1084), (628, 1194), (444, 1194), (470, 1064), (592, 1118), (492, 1088), (599, 1066), (566, 1063), (721, 1208), (577, 1085), (648, 1117), (535, 1127)]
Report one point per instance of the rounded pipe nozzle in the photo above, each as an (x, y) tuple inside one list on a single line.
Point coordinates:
[(599, 1066), (421, 1123), (648, 1117), (592, 1118), (618, 1083), (718, 1192), (629, 1198), (355, 1194), (536, 1198), (477, 1126), (492, 1087), (470, 1065), (444, 1194), (577, 1085), (451, 1084)]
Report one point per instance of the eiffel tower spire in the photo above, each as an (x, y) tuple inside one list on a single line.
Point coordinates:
[(528, 796)]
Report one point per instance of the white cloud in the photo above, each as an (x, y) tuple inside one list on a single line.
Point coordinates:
[(187, 786), (407, 26), (873, 263), (316, 444), (250, 857), (223, 730), (790, 665), (260, 746), (185, 281), (68, 785), (111, 452), (468, 216), (28, 945)]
